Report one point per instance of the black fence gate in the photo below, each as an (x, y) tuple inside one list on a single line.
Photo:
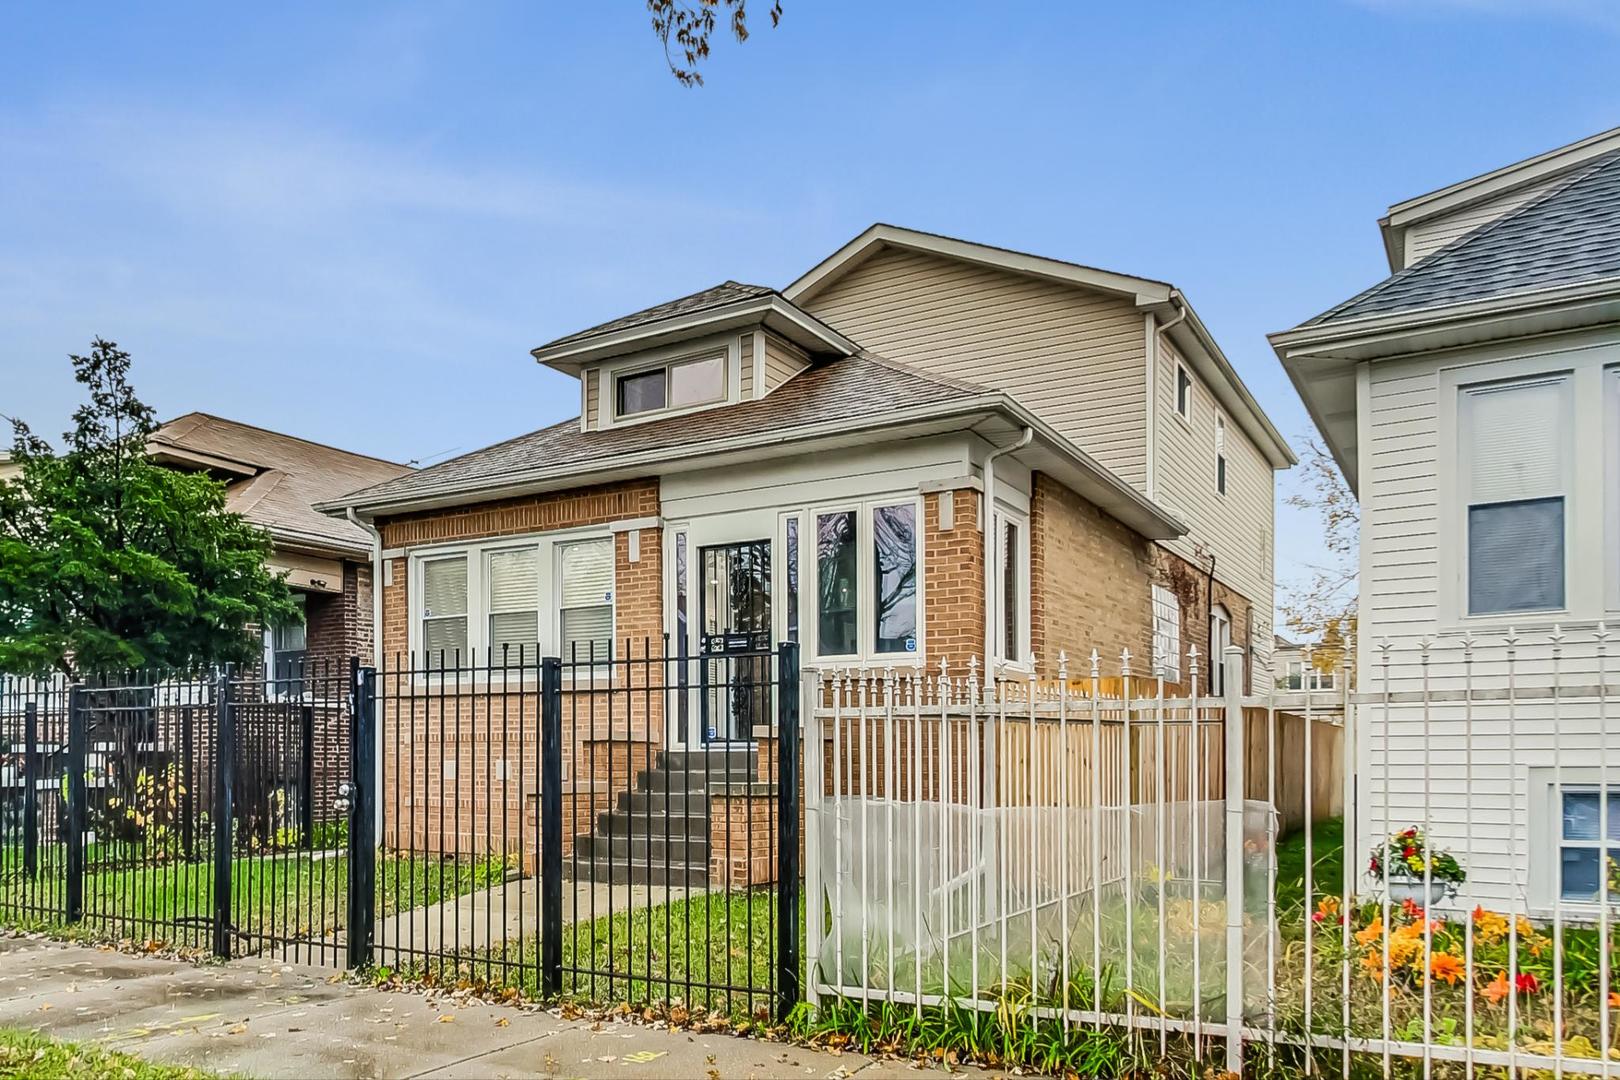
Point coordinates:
[(202, 812), (565, 827)]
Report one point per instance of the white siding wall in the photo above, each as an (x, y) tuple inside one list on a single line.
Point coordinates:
[(1430, 236), (1236, 527), (1478, 775), (1075, 357)]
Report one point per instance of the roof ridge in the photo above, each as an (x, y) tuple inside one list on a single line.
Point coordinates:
[(1576, 176), (268, 431)]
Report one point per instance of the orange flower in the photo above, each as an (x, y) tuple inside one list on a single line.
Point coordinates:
[(1446, 967), (1373, 931), (1614, 999), (1497, 989), (1373, 965)]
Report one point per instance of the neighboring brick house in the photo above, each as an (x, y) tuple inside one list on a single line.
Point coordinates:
[(274, 481), (813, 464)]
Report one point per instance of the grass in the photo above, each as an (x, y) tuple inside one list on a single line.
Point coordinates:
[(1327, 851), (291, 896), (26, 1053)]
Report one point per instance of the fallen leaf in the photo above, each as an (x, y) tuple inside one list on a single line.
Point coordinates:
[(446, 1018), (642, 1057)]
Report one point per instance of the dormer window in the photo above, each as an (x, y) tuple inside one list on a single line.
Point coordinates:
[(678, 384)]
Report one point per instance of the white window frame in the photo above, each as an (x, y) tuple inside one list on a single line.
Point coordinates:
[(1545, 791), (554, 608), (476, 553), (1588, 539), (1219, 615), (1166, 605), (1223, 468), (728, 346), (1021, 571), (866, 587), (1183, 407)]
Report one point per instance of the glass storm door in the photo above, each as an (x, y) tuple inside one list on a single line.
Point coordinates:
[(734, 640)]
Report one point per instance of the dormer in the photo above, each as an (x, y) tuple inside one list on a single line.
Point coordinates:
[(723, 346), (1418, 227)]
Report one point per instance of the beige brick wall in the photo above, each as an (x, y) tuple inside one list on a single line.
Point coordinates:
[(1091, 582)]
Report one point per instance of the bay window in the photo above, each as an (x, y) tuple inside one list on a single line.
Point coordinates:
[(1515, 449)]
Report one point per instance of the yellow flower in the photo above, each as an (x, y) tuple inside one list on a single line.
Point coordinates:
[(1489, 927), (1328, 907)]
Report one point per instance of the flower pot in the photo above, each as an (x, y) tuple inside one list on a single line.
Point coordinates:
[(1408, 888)]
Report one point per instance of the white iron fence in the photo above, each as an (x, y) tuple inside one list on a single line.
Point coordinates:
[(1106, 848)]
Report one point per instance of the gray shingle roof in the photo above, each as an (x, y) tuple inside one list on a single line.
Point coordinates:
[(852, 388), (1567, 236), (717, 296)]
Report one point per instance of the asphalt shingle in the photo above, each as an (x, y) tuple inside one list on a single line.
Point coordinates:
[(719, 295), (1567, 236)]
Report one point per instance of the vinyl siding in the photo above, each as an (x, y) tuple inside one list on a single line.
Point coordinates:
[(1237, 528), (1427, 237), (783, 360), (1074, 356), (1477, 774), (593, 397), (745, 379)]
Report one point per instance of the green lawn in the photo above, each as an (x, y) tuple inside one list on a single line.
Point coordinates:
[(290, 896), (1327, 852), (26, 1053)]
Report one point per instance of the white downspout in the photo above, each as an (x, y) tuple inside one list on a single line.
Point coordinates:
[(984, 528), (1155, 336)]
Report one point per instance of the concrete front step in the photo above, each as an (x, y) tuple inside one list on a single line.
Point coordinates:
[(677, 850), (621, 823), (638, 872)]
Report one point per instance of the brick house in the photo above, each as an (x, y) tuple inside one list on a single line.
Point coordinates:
[(274, 481), (922, 450)]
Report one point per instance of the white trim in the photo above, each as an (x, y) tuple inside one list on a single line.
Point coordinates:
[(1545, 785), (624, 525), (758, 361), (476, 552), (1150, 346), (726, 347), (865, 582), (1002, 514), (1184, 415), (1585, 513)]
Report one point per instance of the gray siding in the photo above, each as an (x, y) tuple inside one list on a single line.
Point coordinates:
[(1076, 357)]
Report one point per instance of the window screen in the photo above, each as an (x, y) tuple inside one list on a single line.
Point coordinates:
[(642, 392), (585, 599), (513, 581), (1514, 451), (444, 610)]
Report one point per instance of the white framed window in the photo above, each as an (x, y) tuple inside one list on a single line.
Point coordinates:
[(1220, 637), (1166, 634), (675, 384), (1220, 454), (444, 641), (1010, 588), (500, 601), (1586, 848), (285, 649), (585, 600), (512, 595), (1183, 393), (1295, 677), (1515, 454), (865, 577)]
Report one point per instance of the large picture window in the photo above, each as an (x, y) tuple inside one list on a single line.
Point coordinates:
[(1515, 449)]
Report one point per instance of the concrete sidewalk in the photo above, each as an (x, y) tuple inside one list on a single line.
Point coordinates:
[(263, 1019)]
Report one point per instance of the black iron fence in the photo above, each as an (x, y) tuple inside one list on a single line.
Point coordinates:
[(605, 827), (195, 810)]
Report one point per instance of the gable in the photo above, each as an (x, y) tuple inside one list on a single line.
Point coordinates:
[(1075, 356)]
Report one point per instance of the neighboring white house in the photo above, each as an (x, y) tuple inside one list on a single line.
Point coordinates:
[(1472, 399)]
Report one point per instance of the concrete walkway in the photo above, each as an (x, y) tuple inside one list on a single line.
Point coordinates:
[(262, 1019)]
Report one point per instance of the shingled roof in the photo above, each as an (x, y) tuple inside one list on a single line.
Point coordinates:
[(275, 480), (716, 296), (1568, 236), (859, 387)]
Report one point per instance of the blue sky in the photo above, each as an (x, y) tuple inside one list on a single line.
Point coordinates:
[(351, 221)]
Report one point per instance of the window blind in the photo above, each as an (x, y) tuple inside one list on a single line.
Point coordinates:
[(444, 587), (585, 599), (1514, 439), (514, 605)]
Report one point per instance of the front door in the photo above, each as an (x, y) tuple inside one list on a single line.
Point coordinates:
[(734, 640)]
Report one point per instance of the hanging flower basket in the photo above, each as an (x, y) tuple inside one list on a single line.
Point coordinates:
[(1411, 870)]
